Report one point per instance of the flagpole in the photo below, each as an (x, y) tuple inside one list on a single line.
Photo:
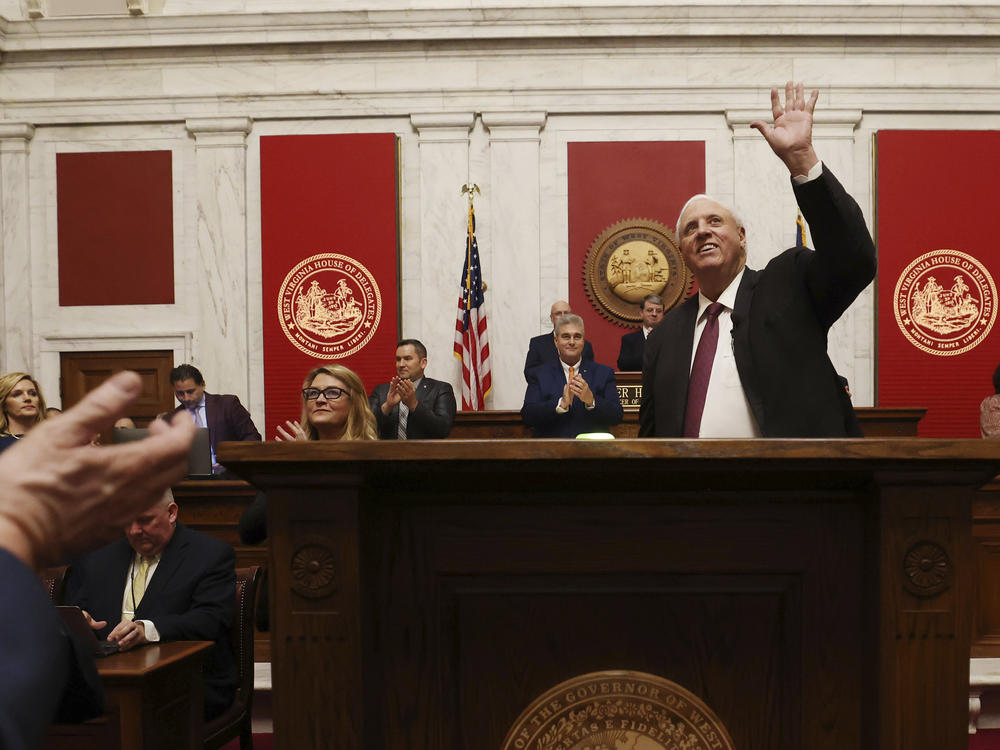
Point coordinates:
[(471, 340), (470, 188)]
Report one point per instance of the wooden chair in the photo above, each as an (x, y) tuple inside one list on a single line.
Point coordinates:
[(235, 721), (54, 580)]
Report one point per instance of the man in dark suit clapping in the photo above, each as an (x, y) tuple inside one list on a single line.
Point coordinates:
[(412, 406), (572, 395)]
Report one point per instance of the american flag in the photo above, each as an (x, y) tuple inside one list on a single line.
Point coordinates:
[(472, 345)]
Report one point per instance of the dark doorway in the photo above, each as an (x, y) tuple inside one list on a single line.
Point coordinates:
[(81, 372)]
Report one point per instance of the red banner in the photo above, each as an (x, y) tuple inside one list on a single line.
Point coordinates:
[(611, 182), (116, 228), (938, 264), (329, 245)]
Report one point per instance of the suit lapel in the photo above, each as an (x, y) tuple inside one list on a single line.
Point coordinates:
[(112, 593), (678, 360), (741, 343), (211, 417), (170, 562)]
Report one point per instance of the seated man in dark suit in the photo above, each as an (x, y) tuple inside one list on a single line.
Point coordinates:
[(163, 582), (412, 406), (634, 344), (223, 414), (570, 396), (542, 348)]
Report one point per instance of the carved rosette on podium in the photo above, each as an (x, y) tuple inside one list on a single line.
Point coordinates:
[(618, 710)]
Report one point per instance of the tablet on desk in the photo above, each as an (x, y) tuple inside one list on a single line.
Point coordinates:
[(77, 625), (199, 457)]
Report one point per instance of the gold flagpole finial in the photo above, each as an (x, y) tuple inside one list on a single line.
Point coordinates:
[(471, 189)]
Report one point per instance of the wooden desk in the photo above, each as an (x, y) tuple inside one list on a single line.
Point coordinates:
[(814, 593), (154, 701), (507, 425)]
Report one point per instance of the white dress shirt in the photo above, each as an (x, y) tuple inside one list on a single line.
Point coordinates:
[(727, 412), (200, 417)]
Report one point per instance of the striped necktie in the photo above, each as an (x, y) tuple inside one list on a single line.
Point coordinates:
[(404, 412)]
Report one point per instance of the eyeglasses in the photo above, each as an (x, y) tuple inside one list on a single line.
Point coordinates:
[(330, 394)]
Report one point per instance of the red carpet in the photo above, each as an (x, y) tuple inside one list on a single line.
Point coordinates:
[(260, 742), (984, 739)]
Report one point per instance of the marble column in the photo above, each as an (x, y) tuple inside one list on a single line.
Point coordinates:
[(430, 277), (221, 334), (515, 243), (15, 267), (764, 197)]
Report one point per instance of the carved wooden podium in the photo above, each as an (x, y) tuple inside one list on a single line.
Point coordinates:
[(814, 594)]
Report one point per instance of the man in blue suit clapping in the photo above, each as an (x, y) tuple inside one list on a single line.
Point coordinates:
[(572, 395)]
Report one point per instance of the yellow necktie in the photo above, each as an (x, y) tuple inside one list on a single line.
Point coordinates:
[(139, 582), (570, 373)]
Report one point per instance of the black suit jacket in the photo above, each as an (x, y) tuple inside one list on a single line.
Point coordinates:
[(630, 355), (545, 388), (433, 417), (226, 419), (542, 350), (780, 323), (189, 598)]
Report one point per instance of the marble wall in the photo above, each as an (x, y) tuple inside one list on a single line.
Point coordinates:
[(476, 93)]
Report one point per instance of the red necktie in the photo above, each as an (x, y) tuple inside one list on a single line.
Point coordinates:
[(701, 371)]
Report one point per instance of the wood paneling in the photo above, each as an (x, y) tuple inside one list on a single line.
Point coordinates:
[(425, 593), (507, 425), (214, 507), (82, 372)]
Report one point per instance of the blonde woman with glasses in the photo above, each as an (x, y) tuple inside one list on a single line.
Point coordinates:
[(334, 407)]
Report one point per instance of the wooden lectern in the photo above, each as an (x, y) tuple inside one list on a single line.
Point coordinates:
[(815, 594)]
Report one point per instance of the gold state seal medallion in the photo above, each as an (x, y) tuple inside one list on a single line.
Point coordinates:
[(629, 260), (945, 302), (618, 710), (329, 305)]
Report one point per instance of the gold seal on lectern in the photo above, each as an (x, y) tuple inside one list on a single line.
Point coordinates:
[(618, 710), (629, 260)]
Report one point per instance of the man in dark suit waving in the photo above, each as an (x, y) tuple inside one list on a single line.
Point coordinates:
[(163, 582), (746, 356), (223, 414), (573, 395), (412, 406)]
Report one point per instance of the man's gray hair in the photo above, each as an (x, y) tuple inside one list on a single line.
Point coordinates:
[(565, 320), (656, 299), (702, 196)]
